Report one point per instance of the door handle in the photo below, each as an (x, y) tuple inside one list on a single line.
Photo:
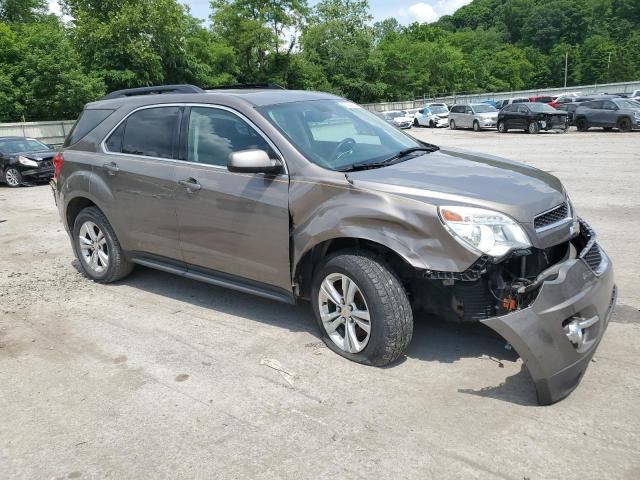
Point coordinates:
[(191, 185), (110, 168)]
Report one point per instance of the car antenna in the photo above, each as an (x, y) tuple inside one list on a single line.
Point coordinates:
[(346, 175)]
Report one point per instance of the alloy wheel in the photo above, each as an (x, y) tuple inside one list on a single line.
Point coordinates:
[(12, 177), (344, 313), (93, 247)]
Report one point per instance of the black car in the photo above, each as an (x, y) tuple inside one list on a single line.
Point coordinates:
[(532, 118), (25, 159)]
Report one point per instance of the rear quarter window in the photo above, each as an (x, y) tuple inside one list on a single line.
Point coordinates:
[(89, 119)]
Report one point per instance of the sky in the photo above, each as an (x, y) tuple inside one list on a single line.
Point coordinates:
[(405, 11)]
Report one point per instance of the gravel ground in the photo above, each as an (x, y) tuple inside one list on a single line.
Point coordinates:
[(162, 377)]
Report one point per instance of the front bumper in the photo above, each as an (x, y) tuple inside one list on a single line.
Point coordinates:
[(43, 173), (537, 332)]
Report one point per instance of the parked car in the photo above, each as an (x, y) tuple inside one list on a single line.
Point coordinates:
[(493, 103), (25, 159), (542, 99), (510, 101), (532, 118), (295, 195), (397, 119), (475, 115), (432, 115), (619, 113), (635, 94)]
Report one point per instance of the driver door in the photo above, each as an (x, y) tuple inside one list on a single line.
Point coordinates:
[(232, 225)]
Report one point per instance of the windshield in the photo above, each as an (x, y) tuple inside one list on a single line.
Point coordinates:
[(627, 104), (484, 109), (337, 134), (438, 109), (21, 145), (541, 108)]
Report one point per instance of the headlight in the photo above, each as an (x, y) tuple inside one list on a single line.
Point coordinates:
[(27, 162), (489, 232)]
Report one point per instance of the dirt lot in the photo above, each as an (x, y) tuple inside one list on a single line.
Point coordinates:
[(161, 377)]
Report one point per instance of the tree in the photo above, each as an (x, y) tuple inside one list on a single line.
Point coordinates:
[(21, 11)]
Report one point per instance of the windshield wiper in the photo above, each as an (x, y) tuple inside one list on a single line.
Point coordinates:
[(388, 161)]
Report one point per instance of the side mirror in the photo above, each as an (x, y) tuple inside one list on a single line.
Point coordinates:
[(253, 161)]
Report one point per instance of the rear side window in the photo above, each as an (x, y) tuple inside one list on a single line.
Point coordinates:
[(89, 119), (150, 132)]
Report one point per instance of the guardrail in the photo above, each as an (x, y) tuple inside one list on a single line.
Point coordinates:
[(52, 132), (622, 87)]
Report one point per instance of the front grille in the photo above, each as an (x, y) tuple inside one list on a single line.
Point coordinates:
[(592, 257), (551, 217)]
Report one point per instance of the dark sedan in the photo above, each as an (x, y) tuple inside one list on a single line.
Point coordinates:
[(532, 118), (25, 159)]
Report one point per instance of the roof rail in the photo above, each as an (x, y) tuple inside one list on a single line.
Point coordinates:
[(132, 92), (247, 86)]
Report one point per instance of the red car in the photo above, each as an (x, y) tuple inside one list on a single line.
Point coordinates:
[(542, 99)]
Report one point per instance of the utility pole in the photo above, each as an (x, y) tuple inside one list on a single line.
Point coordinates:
[(566, 67), (608, 68)]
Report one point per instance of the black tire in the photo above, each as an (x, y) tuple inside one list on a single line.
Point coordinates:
[(391, 317), (476, 126), (12, 177), (533, 128), (582, 125), (607, 129), (416, 123), (624, 125), (118, 266), (502, 127), (452, 124), (431, 124)]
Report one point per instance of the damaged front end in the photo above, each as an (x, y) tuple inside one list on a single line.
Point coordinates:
[(552, 305)]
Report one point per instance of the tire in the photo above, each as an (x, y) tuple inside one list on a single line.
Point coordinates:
[(533, 128), (416, 123), (607, 129), (452, 124), (12, 177), (502, 127), (582, 125), (476, 126), (377, 291), (116, 266), (624, 125), (431, 124)]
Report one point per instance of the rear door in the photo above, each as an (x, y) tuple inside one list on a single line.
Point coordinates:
[(609, 114), (138, 171), (231, 223)]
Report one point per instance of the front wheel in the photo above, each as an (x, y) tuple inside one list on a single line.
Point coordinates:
[(476, 126), (361, 308), (452, 124), (416, 123), (624, 125), (533, 128), (431, 124), (502, 127), (12, 177)]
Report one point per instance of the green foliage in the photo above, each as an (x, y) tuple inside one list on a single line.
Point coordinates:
[(49, 69)]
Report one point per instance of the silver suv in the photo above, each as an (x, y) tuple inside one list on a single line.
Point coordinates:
[(295, 195)]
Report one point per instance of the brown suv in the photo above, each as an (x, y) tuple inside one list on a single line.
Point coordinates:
[(301, 195)]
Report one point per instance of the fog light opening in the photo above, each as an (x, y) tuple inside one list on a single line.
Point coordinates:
[(576, 329)]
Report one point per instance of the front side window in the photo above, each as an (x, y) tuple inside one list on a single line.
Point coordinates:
[(609, 105), (337, 134), (215, 133), (523, 109), (541, 108), (150, 132)]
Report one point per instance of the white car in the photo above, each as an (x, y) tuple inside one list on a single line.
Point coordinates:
[(398, 118), (432, 115)]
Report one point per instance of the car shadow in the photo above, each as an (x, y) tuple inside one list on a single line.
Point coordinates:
[(434, 340)]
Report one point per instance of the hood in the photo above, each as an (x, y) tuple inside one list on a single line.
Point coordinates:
[(402, 119), (38, 156), (460, 177)]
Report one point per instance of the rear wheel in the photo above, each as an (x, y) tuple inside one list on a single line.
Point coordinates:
[(12, 177), (476, 126), (533, 128), (452, 124), (361, 308), (502, 127), (97, 247), (624, 125), (582, 124)]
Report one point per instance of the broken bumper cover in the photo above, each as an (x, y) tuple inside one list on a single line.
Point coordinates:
[(578, 295)]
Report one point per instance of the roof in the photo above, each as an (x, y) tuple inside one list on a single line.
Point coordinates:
[(254, 97)]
